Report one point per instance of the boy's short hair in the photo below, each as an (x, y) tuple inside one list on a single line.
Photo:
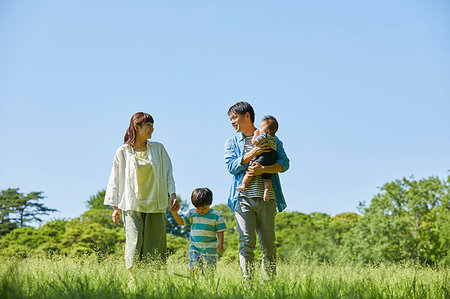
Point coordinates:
[(242, 108), (201, 197), (272, 124)]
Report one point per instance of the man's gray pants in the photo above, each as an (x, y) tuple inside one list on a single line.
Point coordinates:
[(254, 215)]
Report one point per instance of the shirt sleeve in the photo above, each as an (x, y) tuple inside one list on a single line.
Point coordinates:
[(169, 174), (112, 190), (282, 157), (220, 224), (232, 158)]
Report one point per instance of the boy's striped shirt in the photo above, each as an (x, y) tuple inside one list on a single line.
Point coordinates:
[(204, 229)]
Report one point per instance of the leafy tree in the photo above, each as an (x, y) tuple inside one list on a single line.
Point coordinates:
[(400, 223), (8, 198), (83, 237), (28, 240), (303, 234), (19, 210), (96, 201), (28, 208), (100, 216), (341, 224)]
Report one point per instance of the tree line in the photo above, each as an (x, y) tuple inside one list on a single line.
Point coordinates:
[(408, 219)]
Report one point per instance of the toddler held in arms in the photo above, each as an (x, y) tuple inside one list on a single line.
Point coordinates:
[(265, 134)]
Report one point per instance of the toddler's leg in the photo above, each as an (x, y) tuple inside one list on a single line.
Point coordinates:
[(245, 181), (267, 186)]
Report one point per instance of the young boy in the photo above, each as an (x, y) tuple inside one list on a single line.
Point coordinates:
[(205, 223), (266, 133)]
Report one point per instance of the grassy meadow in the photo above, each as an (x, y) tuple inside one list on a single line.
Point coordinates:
[(90, 277)]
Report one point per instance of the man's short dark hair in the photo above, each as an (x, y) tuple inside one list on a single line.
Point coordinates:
[(201, 197), (272, 124), (242, 108)]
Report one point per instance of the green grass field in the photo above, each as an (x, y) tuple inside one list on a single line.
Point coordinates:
[(92, 278)]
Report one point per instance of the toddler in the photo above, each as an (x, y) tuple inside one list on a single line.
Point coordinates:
[(266, 133)]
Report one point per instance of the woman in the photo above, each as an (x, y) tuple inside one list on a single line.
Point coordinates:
[(139, 185)]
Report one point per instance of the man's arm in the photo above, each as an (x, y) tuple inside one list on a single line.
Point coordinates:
[(281, 165), (255, 151), (232, 158), (236, 163), (258, 169), (283, 159)]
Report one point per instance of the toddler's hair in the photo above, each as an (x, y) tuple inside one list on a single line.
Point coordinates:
[(201, 197), (272, 124)]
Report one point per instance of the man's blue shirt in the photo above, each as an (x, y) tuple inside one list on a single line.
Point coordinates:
[(234, 152)]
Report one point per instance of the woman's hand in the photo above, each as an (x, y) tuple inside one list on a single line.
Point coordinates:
[(175, 206), (116, 215), (173, 197)]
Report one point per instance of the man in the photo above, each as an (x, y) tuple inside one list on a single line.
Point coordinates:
[(253, 214)]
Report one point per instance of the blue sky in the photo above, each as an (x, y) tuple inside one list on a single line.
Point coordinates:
[(360, 88)]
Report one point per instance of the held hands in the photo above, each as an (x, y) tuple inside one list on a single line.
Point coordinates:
[(173, 202), (116, 215), (174, 206)]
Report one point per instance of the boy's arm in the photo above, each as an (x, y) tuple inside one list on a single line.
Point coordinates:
[(220, 228), (177, 218), (174, 209), (220, 239)]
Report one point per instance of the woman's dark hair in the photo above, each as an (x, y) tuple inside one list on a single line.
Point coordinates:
[(242, 108), (138, 118), (201, 197)]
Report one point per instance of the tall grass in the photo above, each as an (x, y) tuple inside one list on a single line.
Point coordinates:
[(90, 277)]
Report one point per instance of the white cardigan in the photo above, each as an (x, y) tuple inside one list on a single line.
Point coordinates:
[(122, 190)]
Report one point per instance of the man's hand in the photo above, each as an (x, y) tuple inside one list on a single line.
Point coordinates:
[(258, 169), (116, 215), (263, 147), (255, 169), (255, 151), (220, 247)]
